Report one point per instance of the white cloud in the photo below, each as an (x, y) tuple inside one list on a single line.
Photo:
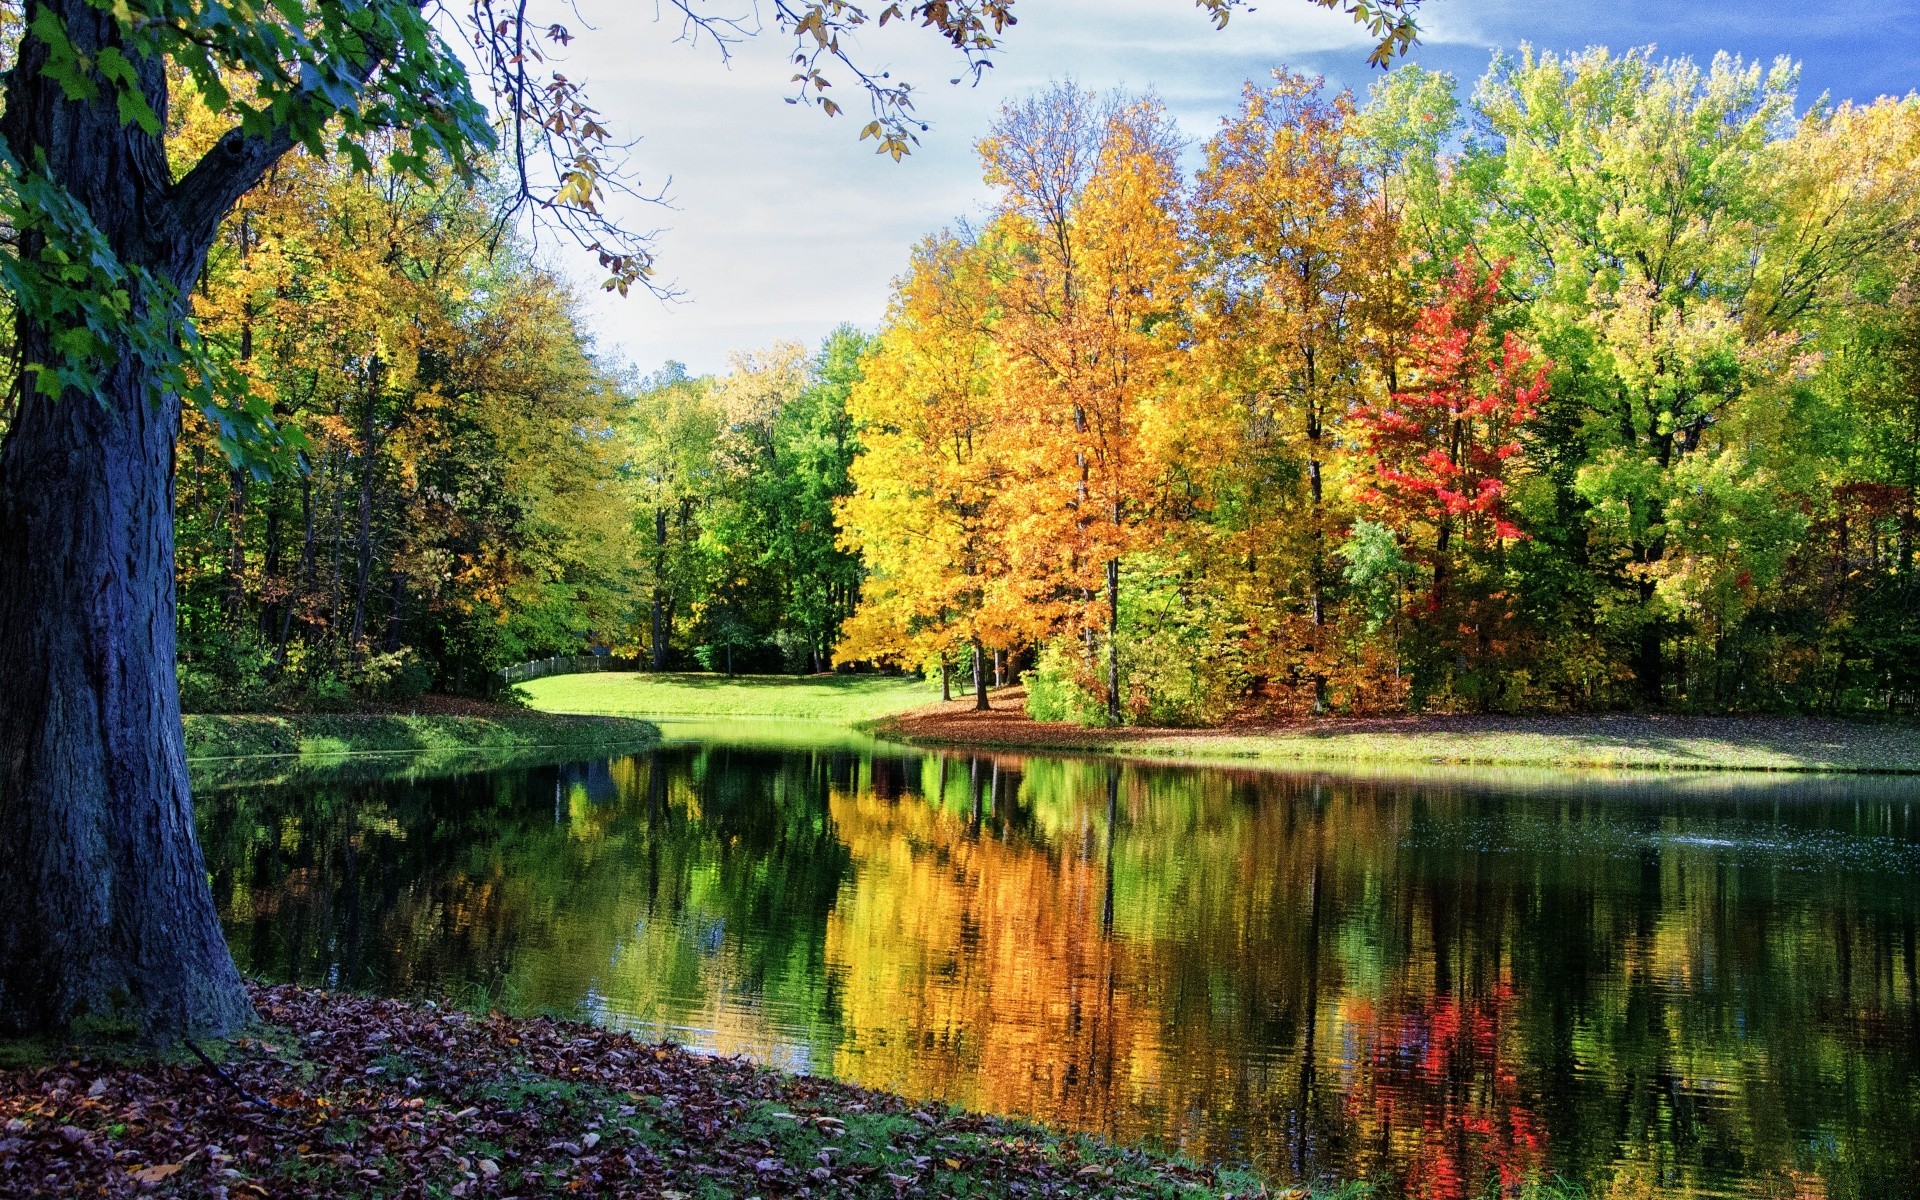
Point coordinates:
[(785, 225)]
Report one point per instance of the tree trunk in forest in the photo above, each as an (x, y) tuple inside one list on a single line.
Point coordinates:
[(660, 601), (236, 543), (946, 678), (979, 676), (396, 609), (308, 566), (108, 914), (1113, 640), (363, 538), (1648, 659), (1316, 491)]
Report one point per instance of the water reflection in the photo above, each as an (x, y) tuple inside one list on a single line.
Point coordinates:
[(1449, 983)]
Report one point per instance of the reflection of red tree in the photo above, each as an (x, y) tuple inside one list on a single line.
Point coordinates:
[(1437, 1098)]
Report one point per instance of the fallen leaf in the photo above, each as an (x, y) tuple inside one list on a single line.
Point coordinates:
[(157, 1173), (489, 1168)]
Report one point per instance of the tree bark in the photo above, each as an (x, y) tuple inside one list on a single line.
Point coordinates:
[(1113, 640), (107, 911), (363, 538), (661, 604), (110, 916), (979, 676)]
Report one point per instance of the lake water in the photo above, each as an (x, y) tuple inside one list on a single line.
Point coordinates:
[(1690, 986)]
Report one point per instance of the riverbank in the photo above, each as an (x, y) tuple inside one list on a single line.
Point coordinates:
[(1614, 741), (440, 726), (847, 699), (344, 1095)]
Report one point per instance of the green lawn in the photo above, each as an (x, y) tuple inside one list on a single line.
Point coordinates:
[(843, 698)]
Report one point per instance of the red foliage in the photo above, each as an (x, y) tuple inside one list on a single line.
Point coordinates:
[(1441, 448)]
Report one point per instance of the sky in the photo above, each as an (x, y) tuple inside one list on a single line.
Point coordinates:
[(780, 224)]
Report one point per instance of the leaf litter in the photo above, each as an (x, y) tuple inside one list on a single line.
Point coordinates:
[(342, 1095)]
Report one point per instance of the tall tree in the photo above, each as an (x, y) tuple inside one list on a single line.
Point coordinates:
[(926, 511), (1300, 276)]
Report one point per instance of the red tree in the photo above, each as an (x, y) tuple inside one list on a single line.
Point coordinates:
[(1442, 447)]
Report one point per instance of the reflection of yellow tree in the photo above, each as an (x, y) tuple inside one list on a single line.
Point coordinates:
[(974, 970)]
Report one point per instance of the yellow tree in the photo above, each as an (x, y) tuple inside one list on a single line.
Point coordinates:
[(1299, 262), (924, 512), (1091, 195)]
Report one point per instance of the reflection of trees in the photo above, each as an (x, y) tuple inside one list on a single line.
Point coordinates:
[(1280, 948), (1436, 1098), (623, 886), (1443, 985)]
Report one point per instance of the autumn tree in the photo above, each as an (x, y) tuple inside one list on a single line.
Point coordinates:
[(1091, 193), (927, 512), (1300, 283), (110, 240), (1445, 450)]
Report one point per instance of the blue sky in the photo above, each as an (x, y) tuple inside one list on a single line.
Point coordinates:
[(783, 225)]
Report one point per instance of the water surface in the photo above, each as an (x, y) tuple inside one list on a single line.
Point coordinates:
[(1450, 983)]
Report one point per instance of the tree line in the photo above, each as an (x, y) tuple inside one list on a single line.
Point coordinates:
[(1597, 388), (476, 485), (1600, 388)]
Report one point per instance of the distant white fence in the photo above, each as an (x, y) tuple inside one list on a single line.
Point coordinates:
[(578, 664)]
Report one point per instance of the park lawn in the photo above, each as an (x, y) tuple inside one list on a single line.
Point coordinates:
[(1626, 741), (841, 698)]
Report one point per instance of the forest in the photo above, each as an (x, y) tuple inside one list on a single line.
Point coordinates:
[(469, 483), (1593, 386), (1597, 388)]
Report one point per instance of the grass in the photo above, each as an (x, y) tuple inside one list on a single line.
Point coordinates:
[(252, 750), (1615, 742), (331, 735), (846, 699), (1619, 743)]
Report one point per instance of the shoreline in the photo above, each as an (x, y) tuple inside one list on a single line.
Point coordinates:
[(333, 1093), (256, 750), (1636, 742), (214, 737)]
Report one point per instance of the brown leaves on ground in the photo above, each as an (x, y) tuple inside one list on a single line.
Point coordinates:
[(348, 1096)]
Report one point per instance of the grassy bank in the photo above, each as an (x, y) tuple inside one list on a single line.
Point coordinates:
[(327, 735), (251, 749), (344, 1096), (843, 698), (1626, 741)]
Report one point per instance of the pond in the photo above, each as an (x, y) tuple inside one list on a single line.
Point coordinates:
[(1447, 982)]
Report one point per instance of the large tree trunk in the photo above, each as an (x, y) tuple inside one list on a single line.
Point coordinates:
[(109, 915), (107, 911)]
